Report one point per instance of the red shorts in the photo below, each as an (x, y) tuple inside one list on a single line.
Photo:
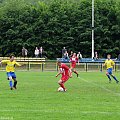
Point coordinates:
[(73, 65), (64, 78)]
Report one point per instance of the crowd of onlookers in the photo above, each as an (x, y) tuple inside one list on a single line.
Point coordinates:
[(38, 52), (79, 55), (67, 55)]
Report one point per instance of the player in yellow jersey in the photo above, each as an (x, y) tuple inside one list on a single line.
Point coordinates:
[(10, 69), (109, 65)]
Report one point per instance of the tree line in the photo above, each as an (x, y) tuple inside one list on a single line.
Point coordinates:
[(54, 24)]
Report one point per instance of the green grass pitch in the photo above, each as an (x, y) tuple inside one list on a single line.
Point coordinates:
[(89, 97)]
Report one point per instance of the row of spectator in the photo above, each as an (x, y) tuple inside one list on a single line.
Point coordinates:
[(38, 52), (67, 56), (79, 55)]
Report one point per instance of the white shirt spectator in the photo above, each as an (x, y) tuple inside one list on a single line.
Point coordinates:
[(36, 52), (79, 55), (41, 52), (26, 52)]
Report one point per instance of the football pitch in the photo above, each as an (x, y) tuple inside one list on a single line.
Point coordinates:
[(89, 97)]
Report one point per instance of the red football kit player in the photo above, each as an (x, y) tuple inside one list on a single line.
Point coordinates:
[(73, 61), (66, 74)]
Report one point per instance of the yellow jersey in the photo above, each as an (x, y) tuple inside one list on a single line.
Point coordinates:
[(109, 63), (10, 66)]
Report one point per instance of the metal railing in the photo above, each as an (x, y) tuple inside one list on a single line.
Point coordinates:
[(50, 65)]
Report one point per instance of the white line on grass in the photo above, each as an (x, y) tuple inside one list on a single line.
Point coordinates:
[(108, 90), (57, 111), (99, 112)]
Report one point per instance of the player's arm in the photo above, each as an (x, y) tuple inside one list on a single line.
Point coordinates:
[(112, 63), (58, 74), (3, 61), (105, 64), (16, 63)]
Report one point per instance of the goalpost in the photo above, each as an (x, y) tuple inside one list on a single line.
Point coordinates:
[(93, 28)]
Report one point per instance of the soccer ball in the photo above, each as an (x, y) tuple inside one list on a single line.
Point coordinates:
[(60, 89)]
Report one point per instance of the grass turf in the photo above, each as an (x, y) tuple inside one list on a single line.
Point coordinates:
[(89, 97)]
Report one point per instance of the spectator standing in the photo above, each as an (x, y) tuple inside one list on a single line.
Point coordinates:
[(63, 51), (79, 56), (36, 52), (26, 52), (96, 56), (23, 52), (71, 54), (119, 57), (41, 52), (66, 55)]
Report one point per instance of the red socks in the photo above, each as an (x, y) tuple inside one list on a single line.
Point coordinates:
[(62, 85)]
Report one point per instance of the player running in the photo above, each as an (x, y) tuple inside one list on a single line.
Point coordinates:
[(10, 68), (74, 59), (109, 65), (66, 74)]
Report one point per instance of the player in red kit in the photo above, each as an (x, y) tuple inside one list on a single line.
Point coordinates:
[(66, 74), (74, 59)]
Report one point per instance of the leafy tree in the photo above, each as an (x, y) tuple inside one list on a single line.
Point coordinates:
[(54, 24)]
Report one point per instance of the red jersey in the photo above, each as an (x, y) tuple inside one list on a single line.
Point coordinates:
[(64, 69), (73, 59)]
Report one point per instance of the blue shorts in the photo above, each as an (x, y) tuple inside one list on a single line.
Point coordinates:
[(109, 71), (11, 74)]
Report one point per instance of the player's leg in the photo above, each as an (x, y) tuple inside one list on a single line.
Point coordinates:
[(15, 81), (61, 83), (114, 78), (73, 66), (74, 70), (107, 74), (70, 73), (71, 70), (110, 73), (10, 80)]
